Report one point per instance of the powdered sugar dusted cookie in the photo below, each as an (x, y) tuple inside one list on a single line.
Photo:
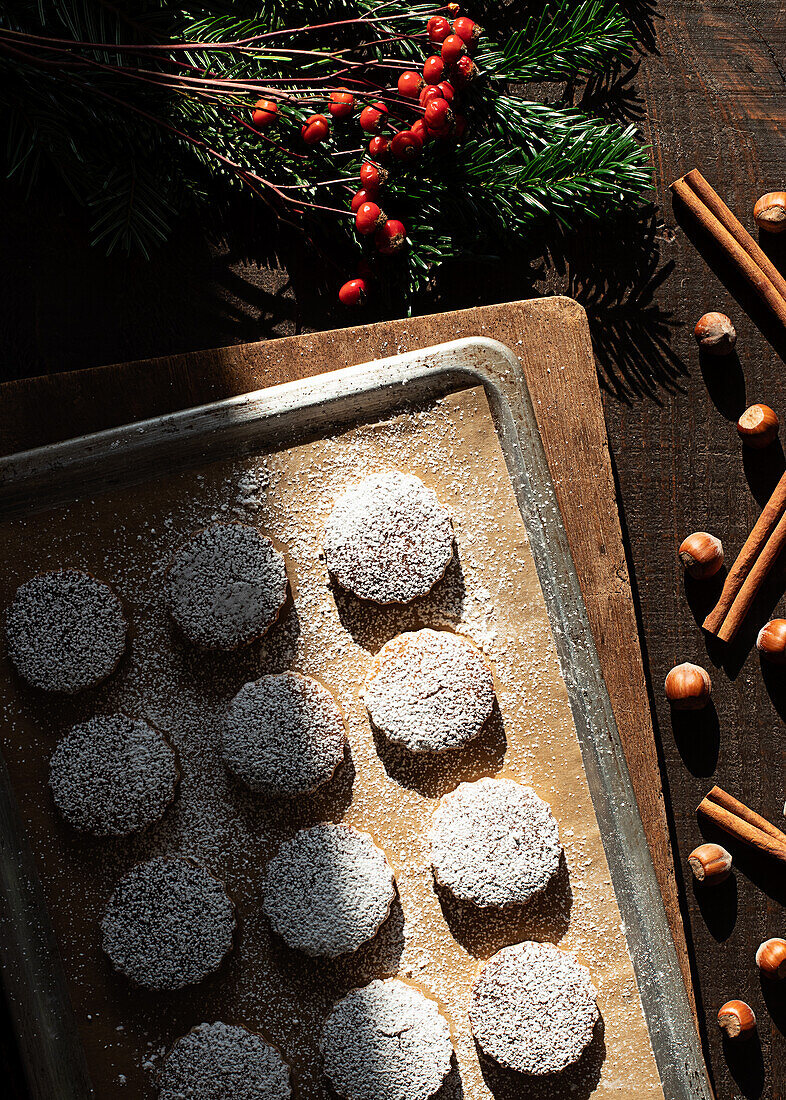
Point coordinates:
[(226, 586), (65, 631), (283, 735), (222, 1062), (328, 890), (168, 924), (429, 690), (534, 1008), (386, 1041), (388, 539), (494, 843), (113, 775)]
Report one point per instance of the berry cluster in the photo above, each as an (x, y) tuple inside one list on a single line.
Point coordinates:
[(431, 95)]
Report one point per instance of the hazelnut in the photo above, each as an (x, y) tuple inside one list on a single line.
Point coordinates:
[(771, 642), (769, 213), (688, 687), (758, 426), (710, 863), (701, 554), (715, 334), (771, 958), (736, 1020)]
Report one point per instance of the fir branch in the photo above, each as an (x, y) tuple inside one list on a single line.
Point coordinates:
[(566, 40), (128, 210), (145, 110), (585, 173)]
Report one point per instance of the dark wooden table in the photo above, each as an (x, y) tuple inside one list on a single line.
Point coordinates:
[(709, 92)]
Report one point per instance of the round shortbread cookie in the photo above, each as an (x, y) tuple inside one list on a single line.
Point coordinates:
[(494, 843), (328, 890), (283, 735), (113, 775), (65, 631), (534, 1009), (226, 586), (386, 1041), (169, 923), (429, 691), (223, 1062), (388, 539)]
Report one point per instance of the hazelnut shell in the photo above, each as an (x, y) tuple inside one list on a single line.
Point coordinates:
[(715, 334), (758, 426), (771, 958), (688, 687), (769, 213), (710, 864), (737, 1020), (701, 554), (771, 642)]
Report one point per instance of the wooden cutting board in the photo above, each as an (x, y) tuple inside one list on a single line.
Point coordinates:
[(552, 340)]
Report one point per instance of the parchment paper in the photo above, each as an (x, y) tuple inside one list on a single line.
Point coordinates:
[(491, 593)]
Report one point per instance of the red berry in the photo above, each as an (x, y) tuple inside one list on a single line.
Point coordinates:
[(372, 176), (406, 145), (368, 218), (379, 148), (438, 29), (438, 116), (391, 237), (431, 91), (315, 129), (446, 90), (433, 69), (419, 130), (341, 104), (371, 117), (452, 49), (359, 198), (465, 71), (353, 293), (409, 84), (466, 29), (265, 112)]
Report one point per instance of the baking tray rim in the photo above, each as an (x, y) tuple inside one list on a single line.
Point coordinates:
[(271, 417)]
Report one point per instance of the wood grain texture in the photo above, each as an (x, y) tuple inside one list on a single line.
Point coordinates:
[(708, 93), (712, 98)]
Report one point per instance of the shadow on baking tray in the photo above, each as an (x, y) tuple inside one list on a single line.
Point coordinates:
[(578, 1081), (483, 932)]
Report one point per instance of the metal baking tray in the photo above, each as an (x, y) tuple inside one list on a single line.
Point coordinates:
[(36, 479)]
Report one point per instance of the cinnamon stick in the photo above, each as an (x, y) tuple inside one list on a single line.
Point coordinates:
[(734, 806), (718, 207), (743, 261), (742, 830), (753, 582), (765, 525)]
